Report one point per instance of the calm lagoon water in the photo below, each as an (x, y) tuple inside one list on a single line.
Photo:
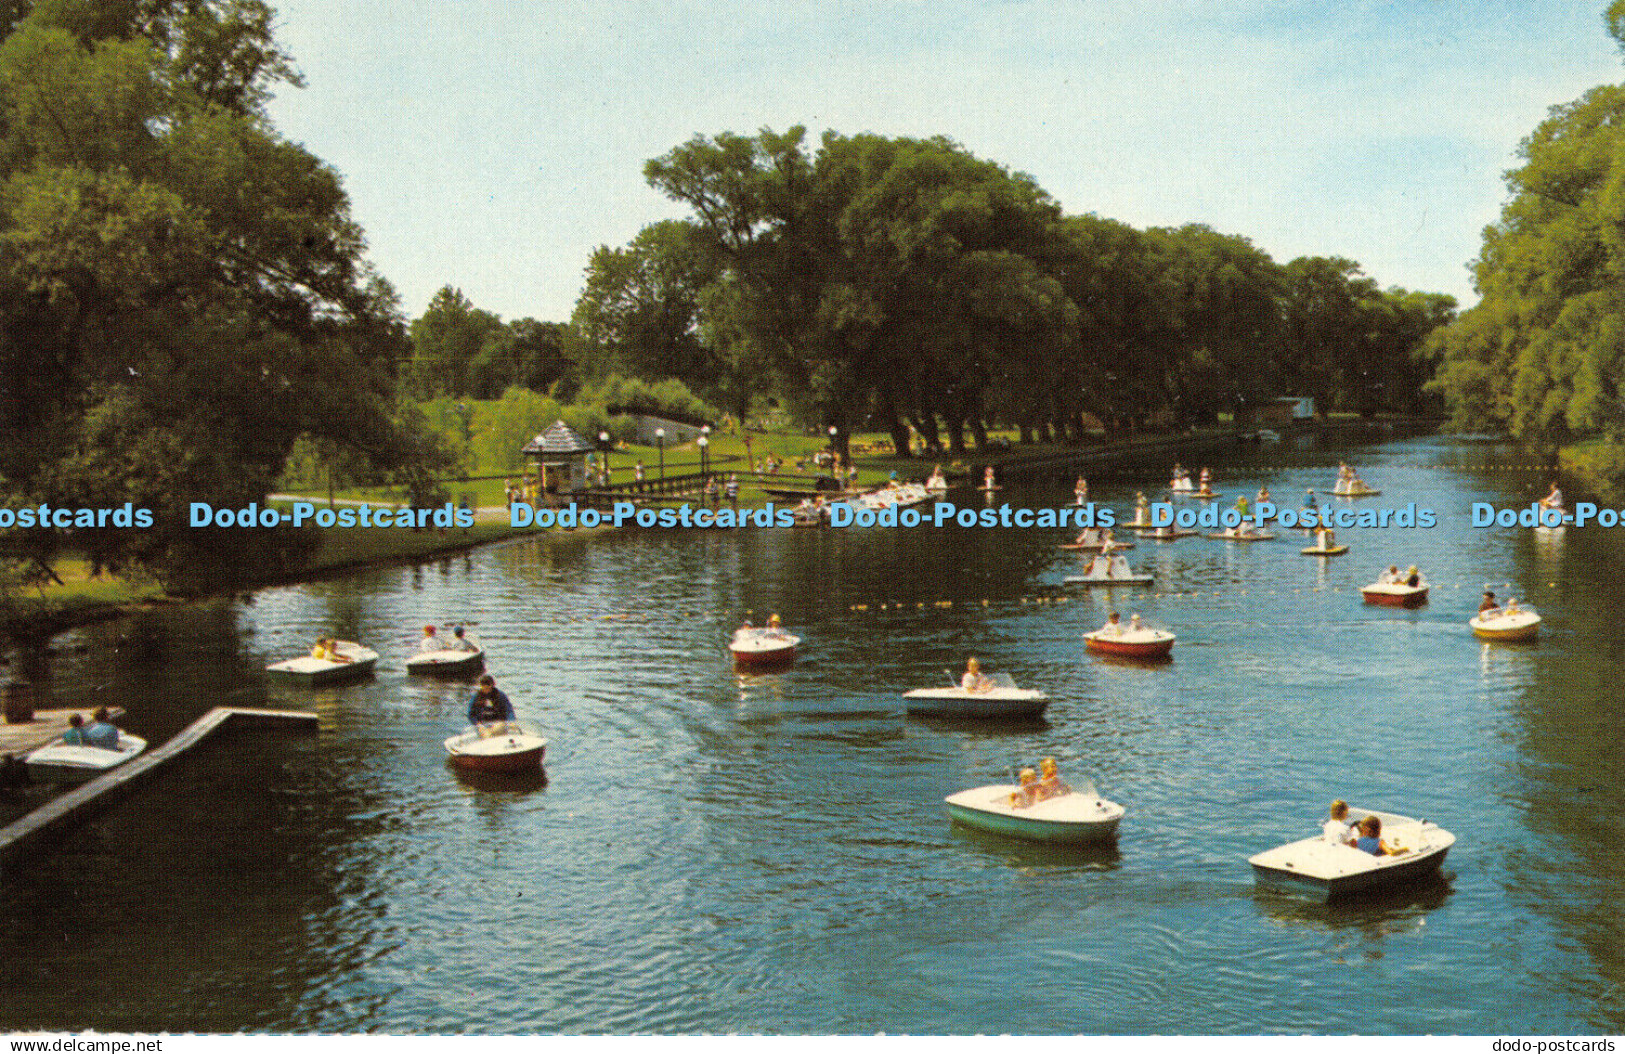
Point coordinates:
[(769, 854)]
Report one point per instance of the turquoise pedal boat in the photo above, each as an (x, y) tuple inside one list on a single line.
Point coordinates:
[(1078, 816)]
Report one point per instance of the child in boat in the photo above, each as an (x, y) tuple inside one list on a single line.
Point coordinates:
[(1049, 782), (973, 681), (1080, 490), (1113, 626), (330, 650), (430, 641), (775, 628), (1027, 793), (1370, 839), (1488, 606), (1554, 500), (1325, 537), (1389, 577), (1134, 623), (75, 735), (1413, 577), (1337, 829), (460, 641)]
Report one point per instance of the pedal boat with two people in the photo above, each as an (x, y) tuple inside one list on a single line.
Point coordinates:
[(1078, 815), (763, 647), (1396, 594), (355, 662), (1108, 569), (1130, 642), (1506, 624), (447, 662), (1242, 534), (1327, 869), (61, 762)]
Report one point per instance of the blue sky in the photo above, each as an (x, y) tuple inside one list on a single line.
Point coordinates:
[(493, 145)]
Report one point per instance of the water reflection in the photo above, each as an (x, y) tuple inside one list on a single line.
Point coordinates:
[(1377, 912), (1018, 853), (713, 852), (497, 783)]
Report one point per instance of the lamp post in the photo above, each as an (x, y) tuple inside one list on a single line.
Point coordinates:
[(603, 444), (702, 442), (660, 438), (833, 464)]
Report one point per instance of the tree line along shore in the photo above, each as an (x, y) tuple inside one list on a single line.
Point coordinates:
[(189, 314)]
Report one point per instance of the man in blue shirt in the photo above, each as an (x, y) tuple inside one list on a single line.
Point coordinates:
[(489, 709), (101, 732)]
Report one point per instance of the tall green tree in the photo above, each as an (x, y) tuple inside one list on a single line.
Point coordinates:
[(183, 294), (1543, 352), (447, 340)]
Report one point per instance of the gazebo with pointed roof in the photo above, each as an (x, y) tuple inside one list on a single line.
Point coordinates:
[(561, 459)]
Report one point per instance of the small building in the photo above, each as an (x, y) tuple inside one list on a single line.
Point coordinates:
[(678, 428), (561, 459), (1287, 410)]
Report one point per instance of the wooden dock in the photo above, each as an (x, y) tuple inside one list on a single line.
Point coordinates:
[(21, 738), (80, 802)]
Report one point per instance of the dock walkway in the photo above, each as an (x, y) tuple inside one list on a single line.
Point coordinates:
[(78, 803)]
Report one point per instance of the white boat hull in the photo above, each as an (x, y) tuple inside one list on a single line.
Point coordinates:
[(308, 670), (1071, 817), (1326, 870), (763, 648), (58, 762), (447, 662), (1522, 625), (520, 748), (993, 704)]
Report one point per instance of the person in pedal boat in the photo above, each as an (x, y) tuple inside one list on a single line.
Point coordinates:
[(1337, 829), (1370, 839), (431, 641), (101, 732), (489, 710), (1049, 782), (328, 648), (1027, 792), (973, 681)]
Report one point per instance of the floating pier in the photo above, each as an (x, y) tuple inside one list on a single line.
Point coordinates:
[(80, 802)]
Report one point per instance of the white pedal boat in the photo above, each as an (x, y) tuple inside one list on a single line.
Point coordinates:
[(58, 762), (1106, 570), (1328, 870), (1231, 534), (325, 671), (1078, 816), (1003, 701), (519, 748), (1523, 624), (447, 662)]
